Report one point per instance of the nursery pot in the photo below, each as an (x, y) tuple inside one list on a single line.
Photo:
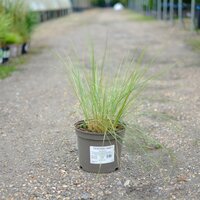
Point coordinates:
[(19, 49), (1, 55), (13, 51), (6, 54), (25, 47), (99, 153)]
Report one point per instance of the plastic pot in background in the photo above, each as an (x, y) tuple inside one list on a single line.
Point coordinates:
[(6, 54), (1, 55), (25, 47), (13, 50), (19, 50), (99, 153)]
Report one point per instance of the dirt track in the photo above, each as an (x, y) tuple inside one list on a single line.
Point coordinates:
[(38, 154)]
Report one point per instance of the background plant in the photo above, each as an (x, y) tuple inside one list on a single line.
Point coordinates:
[(23, 21), (5, 25)]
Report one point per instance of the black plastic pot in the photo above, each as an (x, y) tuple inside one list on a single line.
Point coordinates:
[(6, 54), (25, 48), (99, 153)]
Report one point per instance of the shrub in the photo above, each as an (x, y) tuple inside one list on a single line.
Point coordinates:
[(21, 19), (5, 25)]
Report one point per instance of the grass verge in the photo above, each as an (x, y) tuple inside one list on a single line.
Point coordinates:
[(133, 16), (7, 69), (194, 44)]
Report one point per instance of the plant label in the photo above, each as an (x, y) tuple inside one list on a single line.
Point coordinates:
[(102, 154)]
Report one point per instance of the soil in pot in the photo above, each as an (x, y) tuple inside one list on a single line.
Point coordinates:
[(99, 153)]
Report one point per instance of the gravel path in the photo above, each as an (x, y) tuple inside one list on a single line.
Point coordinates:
[(38, 153)]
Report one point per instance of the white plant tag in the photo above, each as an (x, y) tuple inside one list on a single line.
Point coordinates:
[(102, 154)]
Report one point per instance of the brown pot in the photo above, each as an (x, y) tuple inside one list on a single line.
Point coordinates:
[(99, 153)]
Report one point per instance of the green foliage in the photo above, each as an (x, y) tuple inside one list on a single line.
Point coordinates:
[(5, 25), (22, 20), (32, 19), (13, 38), (18, 12), (15, 64), (6, 71), (105, 103), (100, 3)]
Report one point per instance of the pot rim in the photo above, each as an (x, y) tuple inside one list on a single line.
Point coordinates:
[(119, 131)]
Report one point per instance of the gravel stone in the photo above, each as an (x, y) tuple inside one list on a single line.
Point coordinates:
[(38, 149)]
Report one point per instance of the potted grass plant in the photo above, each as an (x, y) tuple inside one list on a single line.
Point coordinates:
[(31, 20), (23, 22), (16, 26), (104, 102), (18, 11), (11, 38)]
